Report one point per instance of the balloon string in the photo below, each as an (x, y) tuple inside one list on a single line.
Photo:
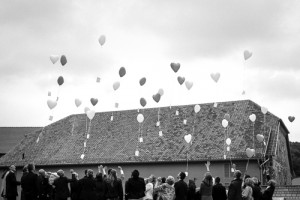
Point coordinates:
[(253, 136), (187, 158)]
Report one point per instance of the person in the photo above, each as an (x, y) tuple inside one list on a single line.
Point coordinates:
[(24, 173), (248, 192), (29, 183), (149, 188), (99, 187), (191, 190), (235, 187), (74, 186), (181, 187), (113, 188), (135, 186), (11, 184), (205, 192), (257, 195), (167, 190), (52, 177), (218, 190), (3, 185), (269, 191), (62, 191), (88, 187)]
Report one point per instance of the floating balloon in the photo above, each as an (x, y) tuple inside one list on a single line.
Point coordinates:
[(228, 141), (63, 60), (90, 114), (49, 94), (60, 80), (188, 138), (51, 104), (180, 80), (291, 118), (224, 123), (122, 71), (54, 58), (141, 139), (137, 153), (102, 39), (264, 110), (78, 102), (116, 85), (197, 108), (184, 121), (143, 102), (252, 117), (175, 67), (189, 84), (160, 133), (140, 118), (156, 97), (215, 104), (260, 137), (142, 81), (177, 112), (98, 79), (227, 117), (82, 156), (247, 54), (50, 118), (86, 109), (228, 148), (116, 105), (250, 152), (158, 123), (161, 92), (94, 101), (88, 136), (84, 144), (215, 76)]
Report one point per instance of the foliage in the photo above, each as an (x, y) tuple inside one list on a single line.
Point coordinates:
[(295, 153)]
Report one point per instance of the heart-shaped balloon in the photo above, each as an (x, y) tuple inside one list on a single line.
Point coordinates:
[(136, 153), (227, 117), (228, 141), (175, 66), (94, 101), (250, 152), (160, 133), (86, 109), (90, 114), (197, 108), (122, 72), (264, 110), (180, 80), (102, 40), (116, 85), (143, 102), (140, 118), (247, 54), (142, 81), (189, 84), (252, 117), (98, 79), (82, 156), (156, 97), (215, 76), (188, 138), (260, 137), (224, 123), (291, 118), (51, 103), (54, 58), (161, 92), (63, 60), (60, 80), (78, 102), (116, 105)]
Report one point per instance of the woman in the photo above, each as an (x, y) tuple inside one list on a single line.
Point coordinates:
[(191, 190), (247, 193), (113, 188), (99, 187), (166, 190), (269, 191), (205, 192), (149, 188)]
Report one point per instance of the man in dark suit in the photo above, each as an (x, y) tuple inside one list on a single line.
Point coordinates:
[(29, 183), (181, 188), (44, 188), (218, 190), (235, 187), (11, 184), (62, 191)]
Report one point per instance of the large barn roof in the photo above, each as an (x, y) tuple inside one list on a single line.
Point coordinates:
[(61, 143)]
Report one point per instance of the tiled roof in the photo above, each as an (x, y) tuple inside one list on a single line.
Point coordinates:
[(116, 141)]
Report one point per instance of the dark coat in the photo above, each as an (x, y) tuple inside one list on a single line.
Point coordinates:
[(100, 190), (87, 188), (113, 190), (135, 188), (191, 193), (257, 195), (29, 184), (11, 185), (268, 193), (181, 190), (219, 192), (235, 190), (75, 188), (61, 188)]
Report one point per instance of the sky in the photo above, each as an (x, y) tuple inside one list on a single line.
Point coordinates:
[(144, 37)]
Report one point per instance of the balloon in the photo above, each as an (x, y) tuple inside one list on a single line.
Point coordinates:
[(228, 148), (189, 84), (51, 104), (60, 80), (224, 123), (175, 66), (264, 110), (180, 80), (252, 117), (158, 123), (84, 144), (177, 112), (161, 92), (90, 114), (88, 136), (137, 153), (228, 141), (291, 118), (215, 76), (98, 79), (215, 104), (160, 133), (140, 118), (184, 121), (197, 108), (143, 102), (50, 118), (86, 109), (116, 85), (186, 174), (141, 139), (101, 40), (250, 152), (122, 71), (142, 81), (116, 105), (188, 138), (227, 116), (260, 137), (78, 102), (63, 60), (49, 94), (94, 101), (156, 97), (225, 157), (247, 54), (82, 156), (54, 58)]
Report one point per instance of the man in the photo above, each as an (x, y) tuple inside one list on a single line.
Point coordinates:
[(44, 188), (29, 183), (11, 184), (235, 187), (181, 188), (218, 190), (62, 191)]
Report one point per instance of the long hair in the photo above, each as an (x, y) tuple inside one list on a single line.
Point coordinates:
[(112, 177), (208, 179)]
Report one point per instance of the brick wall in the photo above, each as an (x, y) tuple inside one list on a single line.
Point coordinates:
[(289, 192)]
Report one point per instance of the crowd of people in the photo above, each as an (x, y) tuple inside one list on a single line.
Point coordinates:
[(106, 185)]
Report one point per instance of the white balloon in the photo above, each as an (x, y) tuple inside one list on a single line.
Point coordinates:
[(228, 141), (260, 137), (54, 58), (88, 136), (188, 84), (252, 117), (102, 40), (161, 92), (78, 102), (228, 148), (141, 139), (197, 108), (188, 138), (84, 144), (250, 152), (177, 112), (116, 85), (215, 76), (51, 103), (247, 54), (90, 114), (137, 153), (140, 118), (264, 110), (160, 133), (86, 109), (184, 121), (224, 123), (158, 123), (82, 156)]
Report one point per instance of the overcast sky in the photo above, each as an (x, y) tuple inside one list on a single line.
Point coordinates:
[(145, 37)]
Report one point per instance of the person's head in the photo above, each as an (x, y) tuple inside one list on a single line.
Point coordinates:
[(25, 169), (31, 167), (181, 175), (12, 168), (271, 183), (247, 176), (135, 174), (60, 173), (90, 173), (42, 172), (255, 180), (208, 179), (99, 177), (163, 180), (237, 174), (217, 180), (170, 180), (249, 182), (192, 184)]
